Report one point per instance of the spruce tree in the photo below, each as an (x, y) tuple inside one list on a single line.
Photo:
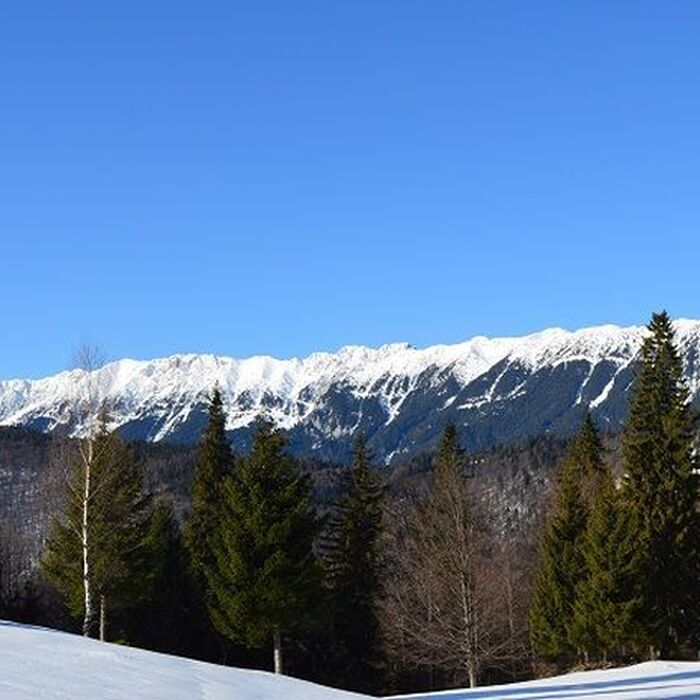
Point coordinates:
[(603, 609), (265, 581), (214, 464), (562, 564), (163, 620), (352, 575), (661, 487), (99, 532), (588, 453)]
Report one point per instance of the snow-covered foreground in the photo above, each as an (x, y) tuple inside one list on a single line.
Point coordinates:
[(42, 664), (37, 663), (654, 680)]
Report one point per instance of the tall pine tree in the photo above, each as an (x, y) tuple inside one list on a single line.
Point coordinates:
[(165, 618), (588, 453), (562, 564), (352, 575), (265, 581), (214, 464), (603, 610), (661, 487)]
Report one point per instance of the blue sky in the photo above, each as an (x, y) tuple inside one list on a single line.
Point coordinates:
[(282, 177)]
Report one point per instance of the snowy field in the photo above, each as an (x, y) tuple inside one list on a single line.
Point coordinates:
[(41, 664)]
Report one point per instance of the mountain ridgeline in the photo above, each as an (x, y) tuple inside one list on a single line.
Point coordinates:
[(496, 391)]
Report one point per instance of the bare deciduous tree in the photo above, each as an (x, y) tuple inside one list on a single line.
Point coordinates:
[(450, 599), (15, 564)]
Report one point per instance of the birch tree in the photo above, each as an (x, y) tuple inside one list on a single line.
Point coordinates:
[(93, 544), (77, 462), (92, 553)]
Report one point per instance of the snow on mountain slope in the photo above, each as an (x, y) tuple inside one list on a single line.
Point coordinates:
[(42, 663), (496, 390)]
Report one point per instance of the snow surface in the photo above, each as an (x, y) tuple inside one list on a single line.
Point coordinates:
[(167, 390), (38, 663), (653, 680), (43, 664)]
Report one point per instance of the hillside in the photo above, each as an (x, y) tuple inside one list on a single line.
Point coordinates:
[(42, 663), (497, 391)]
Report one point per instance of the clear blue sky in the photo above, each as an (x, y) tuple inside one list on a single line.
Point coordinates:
[(280, 177)]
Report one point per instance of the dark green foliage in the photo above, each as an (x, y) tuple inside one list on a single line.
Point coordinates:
[(450, 455), (562, 564), (121, 510), (352, 576), (603, 614), (214, 463), (662, 489), (561, 567), (163, 619), (117, 511), (265, 581), (588, 453)]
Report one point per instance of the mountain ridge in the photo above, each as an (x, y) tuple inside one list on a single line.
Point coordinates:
[(497, 390)]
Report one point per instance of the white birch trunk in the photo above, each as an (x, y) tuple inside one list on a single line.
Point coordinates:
[(103, 617), (469, 632), (277, 652), (85, 543)]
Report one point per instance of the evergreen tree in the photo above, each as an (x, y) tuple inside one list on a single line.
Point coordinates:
[(214, 463), (163, 620), (352, 575), (99, 533), (603, 611), (265, 581), (661, 487), (562, 564), (588, 453)]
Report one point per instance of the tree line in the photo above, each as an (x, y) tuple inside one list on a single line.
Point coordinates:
[(391, 589), (620, 557)]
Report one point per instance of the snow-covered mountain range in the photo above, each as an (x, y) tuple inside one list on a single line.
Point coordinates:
[(497, 390)]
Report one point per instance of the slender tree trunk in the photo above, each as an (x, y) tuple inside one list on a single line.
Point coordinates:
[(469, 632), (510, 606), (431, 667), (85, 542), (103, 617), (471, 670), (277, 652)]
